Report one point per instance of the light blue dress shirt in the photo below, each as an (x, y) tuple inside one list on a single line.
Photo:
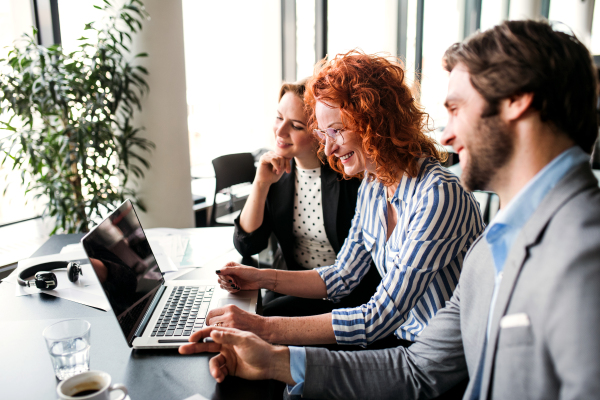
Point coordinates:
[(500, 236), (506, 226), (502, 232)]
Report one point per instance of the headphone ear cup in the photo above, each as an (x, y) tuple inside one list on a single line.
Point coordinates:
[(45, 280), (73, 271)]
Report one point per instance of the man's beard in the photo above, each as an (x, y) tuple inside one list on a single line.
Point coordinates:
[(491, 148)]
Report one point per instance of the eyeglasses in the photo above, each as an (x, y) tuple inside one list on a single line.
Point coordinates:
[(331, 132)]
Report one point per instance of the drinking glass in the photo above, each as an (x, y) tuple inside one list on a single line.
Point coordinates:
[(68, 343)]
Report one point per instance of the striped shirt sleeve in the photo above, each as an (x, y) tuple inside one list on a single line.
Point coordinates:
[(441, 225)]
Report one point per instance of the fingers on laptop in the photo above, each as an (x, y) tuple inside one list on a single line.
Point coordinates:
[(199, 335), (196, 344), (228, 283), (230, 288), (212, 314)]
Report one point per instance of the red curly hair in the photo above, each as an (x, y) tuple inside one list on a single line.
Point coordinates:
[(375, 102)]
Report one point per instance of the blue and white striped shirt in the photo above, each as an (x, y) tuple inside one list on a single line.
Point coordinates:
[(420, 263)]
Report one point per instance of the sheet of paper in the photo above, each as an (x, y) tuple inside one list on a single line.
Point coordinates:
[(87, 278), (92, 296), (201, 249), (87, 290), (173, 242), (28, 262), (75, 251), (163, 259), (176, 274)]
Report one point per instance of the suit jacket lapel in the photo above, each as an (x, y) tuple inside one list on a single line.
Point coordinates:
[(574, 182), (282, 203), (330, 192)]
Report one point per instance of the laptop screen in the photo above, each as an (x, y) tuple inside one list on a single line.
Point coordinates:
[(126, 268)]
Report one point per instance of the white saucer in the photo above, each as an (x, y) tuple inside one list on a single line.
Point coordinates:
[(115, 395)]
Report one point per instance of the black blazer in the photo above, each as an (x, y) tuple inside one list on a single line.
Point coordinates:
[(339, 203)]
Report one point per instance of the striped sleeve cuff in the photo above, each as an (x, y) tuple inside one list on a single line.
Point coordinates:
[(349, 326), (329, 275)]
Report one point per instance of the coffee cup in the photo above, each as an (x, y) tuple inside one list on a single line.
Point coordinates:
[(90, 385)]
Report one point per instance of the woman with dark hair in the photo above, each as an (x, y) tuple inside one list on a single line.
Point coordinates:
[(413, 218), (306, 205)]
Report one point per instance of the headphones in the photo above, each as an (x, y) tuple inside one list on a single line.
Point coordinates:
[(45, 280)]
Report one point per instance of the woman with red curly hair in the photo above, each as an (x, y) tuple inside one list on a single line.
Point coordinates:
[(413, 218)]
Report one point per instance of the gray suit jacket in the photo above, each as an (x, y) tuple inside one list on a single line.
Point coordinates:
[(548, 344)]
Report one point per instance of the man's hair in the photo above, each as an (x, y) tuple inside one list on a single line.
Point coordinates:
[(377, 103), (518, 57)]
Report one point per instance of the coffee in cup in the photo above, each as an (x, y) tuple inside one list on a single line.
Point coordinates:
[(90, 385)]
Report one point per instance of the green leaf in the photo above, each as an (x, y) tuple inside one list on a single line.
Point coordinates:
[(142, 69)]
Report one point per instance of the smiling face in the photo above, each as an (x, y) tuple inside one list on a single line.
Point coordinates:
[(484, 145), (347, 145), (291, 137)]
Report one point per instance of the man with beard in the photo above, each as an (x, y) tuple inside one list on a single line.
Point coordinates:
[(523, 321)]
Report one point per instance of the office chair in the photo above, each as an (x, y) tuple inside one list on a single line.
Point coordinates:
[(230, 170)]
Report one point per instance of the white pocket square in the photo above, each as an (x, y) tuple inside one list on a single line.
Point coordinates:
[(514, 321)]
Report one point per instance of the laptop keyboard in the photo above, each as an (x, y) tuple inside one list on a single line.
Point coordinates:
[(184, 312)]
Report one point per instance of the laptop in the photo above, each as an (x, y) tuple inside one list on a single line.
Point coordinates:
[(153, 313)]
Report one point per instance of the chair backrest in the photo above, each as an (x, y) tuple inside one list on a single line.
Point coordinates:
[(231, 169)]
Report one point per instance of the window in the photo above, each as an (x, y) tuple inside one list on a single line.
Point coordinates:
[(440, 30), (73, 15), (493, 12), (305, 38), (368, 25), (411, 39), (576, 17), (233, 73), (15, 19), (595, 40)]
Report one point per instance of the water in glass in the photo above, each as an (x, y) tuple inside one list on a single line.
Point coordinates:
[(70, 357)]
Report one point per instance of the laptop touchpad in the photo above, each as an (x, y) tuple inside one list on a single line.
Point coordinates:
[(244, 304)]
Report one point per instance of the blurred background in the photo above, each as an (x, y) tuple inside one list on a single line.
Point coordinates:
[(216, 67)]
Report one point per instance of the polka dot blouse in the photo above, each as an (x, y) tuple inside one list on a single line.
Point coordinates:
[(312, 246)]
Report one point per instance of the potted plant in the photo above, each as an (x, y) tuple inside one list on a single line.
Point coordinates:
[(71, 119)]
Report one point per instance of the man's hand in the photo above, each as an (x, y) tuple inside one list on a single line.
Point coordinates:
[(234, 277), (241, 354), (232, 316)]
